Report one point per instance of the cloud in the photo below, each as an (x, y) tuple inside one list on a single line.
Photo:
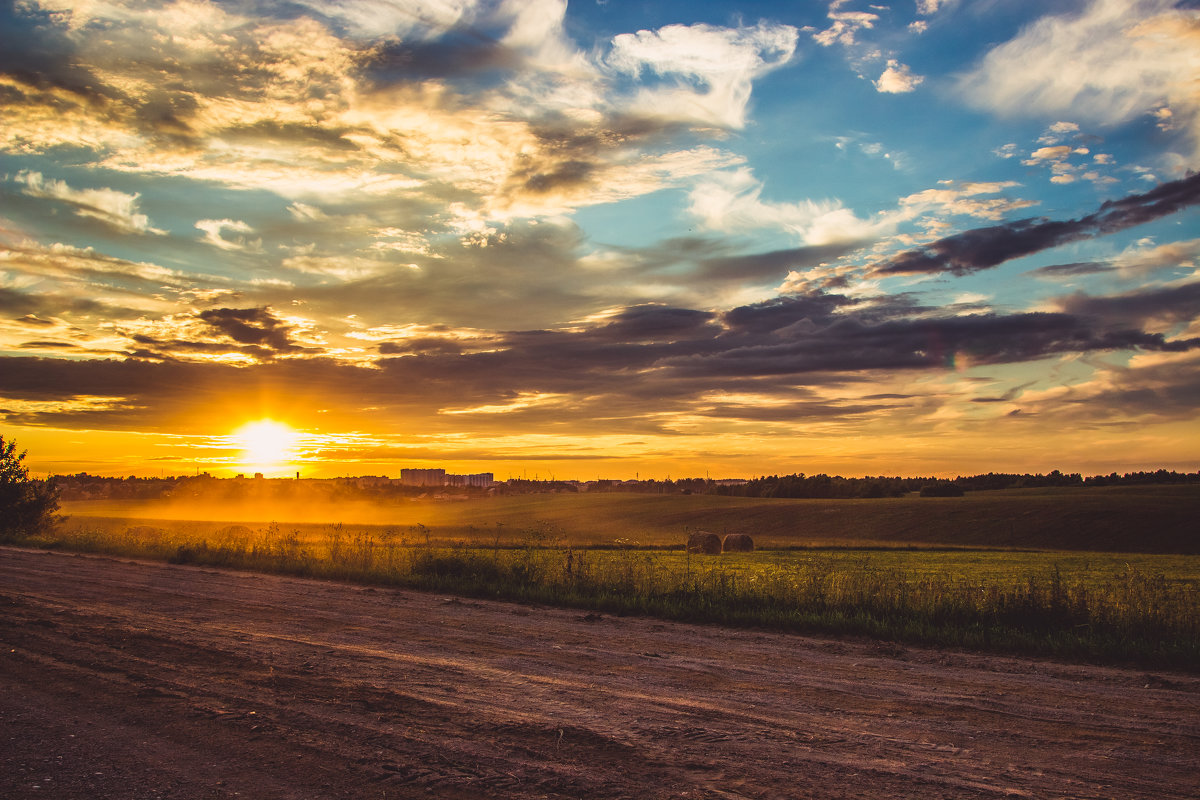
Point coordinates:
[(488, 103), (1109, 62), (214, 234), (1142, 307), (1140, 262), (244, 336), (255, 326), (116, 209), (983, 248), (1056, 153), (774, 264), (969, 199), (897, 79), (732, 201), (642, 368), (1067, 271), (711, 69), (94, 274), (845, 25), (403, 19)]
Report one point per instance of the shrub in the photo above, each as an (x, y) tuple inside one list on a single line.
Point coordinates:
[(27, 507)]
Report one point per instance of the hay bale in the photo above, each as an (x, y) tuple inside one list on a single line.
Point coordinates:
[(704, 542), (737, 543), (234, 532)]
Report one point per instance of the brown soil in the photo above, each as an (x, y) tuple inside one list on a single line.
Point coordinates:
[(123, 679)]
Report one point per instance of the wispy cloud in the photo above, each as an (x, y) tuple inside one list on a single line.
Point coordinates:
[(1109, 62), (115, 209)]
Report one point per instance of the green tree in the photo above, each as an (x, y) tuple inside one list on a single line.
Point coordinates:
[(26, 506)]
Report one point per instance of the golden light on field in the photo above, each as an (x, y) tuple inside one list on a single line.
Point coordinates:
[(266, 444)]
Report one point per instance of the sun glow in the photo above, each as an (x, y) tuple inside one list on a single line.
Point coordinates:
[(266, 444)]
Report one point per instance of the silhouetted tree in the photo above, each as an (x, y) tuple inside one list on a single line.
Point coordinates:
[(26, 506)]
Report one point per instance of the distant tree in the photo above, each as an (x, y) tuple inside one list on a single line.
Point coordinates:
[(26, 506), (942, 489)]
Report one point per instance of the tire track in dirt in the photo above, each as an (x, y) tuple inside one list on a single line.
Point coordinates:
[(183, 682)]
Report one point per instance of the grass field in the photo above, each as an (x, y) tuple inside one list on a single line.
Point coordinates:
[(920, 570), (1147, 519)]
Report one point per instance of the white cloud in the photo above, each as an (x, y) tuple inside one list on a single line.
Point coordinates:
[(1140, 259), (116, 209), (537, 29), (968, 199), (1056, 132), (401, 18), (897, 79), (712, 69), (1111, 62), (1054, 153), (846, 25), (344, 268), (214, 234), (730, 201)]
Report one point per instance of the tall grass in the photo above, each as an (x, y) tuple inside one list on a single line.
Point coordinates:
[(1129, 615)]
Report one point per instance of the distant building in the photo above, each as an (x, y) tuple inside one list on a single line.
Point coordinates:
[(480, 480), (438, 477), (423, 477), (372, 481)]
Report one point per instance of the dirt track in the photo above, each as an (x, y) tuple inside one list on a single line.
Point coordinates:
[(135, 680)]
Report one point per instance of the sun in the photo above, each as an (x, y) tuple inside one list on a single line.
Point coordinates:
[(266, 443)]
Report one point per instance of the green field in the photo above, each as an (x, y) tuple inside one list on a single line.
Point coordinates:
[(1109, 575)]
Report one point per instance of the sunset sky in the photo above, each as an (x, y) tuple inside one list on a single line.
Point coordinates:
[(601, 239)]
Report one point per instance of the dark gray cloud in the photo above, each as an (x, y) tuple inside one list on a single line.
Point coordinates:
[(457, 54), (982, 248), (656, 323), (40, 57), (252, 326), (1055, 271), (1178, 303), (421, 345), (628, 372), (775, 264)]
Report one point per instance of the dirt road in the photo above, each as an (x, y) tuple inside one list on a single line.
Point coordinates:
[(135, 680)]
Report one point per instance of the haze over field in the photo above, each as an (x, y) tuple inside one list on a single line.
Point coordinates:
[(598, 239)]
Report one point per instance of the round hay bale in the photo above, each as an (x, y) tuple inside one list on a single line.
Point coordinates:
[(704, 542), (234, 532), (737, 543)]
